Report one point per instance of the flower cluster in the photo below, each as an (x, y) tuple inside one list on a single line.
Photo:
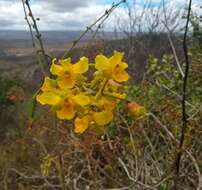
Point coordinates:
[(89, 101)]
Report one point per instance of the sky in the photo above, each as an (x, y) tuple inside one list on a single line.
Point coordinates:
[(63, 14)]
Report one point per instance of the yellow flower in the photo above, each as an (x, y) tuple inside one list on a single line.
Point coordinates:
[(81, 124), (81, 99), (87, 103), (64, 101), (107, 104), (49, 98), (103, 117), (49, 93), (112, 67), (49, 85), (67, 73), (100, 118), (67, 110)]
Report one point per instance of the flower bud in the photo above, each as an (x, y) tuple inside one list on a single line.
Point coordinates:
[(135, 110)]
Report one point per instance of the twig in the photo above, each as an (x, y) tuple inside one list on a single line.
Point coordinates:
[(61, 171), (101, 19), (34, 179), (130, 177), (186, 151), (36, 40), (174, 93), (197, 170), (122, 188), (28, 23), (184, 95), (171, 42), (163, 126)]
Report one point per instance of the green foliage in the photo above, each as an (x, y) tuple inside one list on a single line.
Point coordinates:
[(142, 144), (163, 70)]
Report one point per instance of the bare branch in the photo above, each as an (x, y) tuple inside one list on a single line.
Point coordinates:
[(36, 40), (101, 19), (184, 94)]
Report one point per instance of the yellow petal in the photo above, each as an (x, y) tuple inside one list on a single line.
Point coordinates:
[(49, 98), (123, 65), (66, 112), (120, 75), (57, 69), (48, 85), (81, 124), (66, 64), (67, 81), (81, 99), (108, 105), (81, 66), (118, 55), (116, 59), (103, 117), (102, 63)]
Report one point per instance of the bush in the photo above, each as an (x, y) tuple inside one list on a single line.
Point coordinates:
[(5, 86)]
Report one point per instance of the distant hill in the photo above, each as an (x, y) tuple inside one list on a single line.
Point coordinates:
[(23, 38), (25, 35)]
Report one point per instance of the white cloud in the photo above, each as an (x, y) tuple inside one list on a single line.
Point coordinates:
[(64, 5), (68, 14), (11, 15), (79, 16)]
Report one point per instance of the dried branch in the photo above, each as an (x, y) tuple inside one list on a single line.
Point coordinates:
[(171, 42), (174, 93), (100, 20), (28, 23), (184, 94), (36, 40), (62, 175), (169, 133), (38, 180)]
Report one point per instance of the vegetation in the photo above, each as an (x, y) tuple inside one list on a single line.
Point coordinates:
[(103, 119)]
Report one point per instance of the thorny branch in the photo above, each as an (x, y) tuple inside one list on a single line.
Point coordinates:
[(36, 40), (99, 21), (28, 23), (184, 94)]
